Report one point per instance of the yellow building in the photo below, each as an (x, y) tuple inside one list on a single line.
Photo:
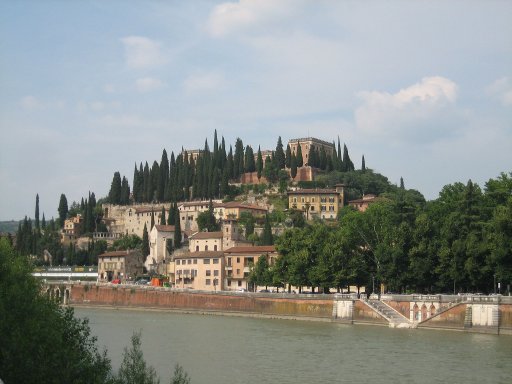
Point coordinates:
[(321, 203), (306, 144), (202, 270), (240, 260)]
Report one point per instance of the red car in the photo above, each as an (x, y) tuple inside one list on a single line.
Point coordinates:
[(116, 281)]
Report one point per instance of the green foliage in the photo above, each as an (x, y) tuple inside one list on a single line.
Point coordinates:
[(145, 242), (180, 376), (260, 273), (40, 339), (127, 242), (63, 210), (134, 369), (267, 238), (206, 220)]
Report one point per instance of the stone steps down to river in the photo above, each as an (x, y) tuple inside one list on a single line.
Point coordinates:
[(394, 318)]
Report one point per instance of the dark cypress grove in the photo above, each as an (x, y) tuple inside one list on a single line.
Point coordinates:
[(238, 159), (279, 154), (250, 164), (347, 163), (288, 159), (363, 165), (37, 212), (293, 166), (162, 216), (177, 228), (145, 242), (114, 196), (300, 159), (63, 209), (259, 163), (125, 192)]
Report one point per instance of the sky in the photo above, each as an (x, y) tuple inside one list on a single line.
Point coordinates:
[(422, 89)]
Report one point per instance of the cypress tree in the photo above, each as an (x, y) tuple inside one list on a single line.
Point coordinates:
[(322, 159), (164, 175), (293, 166), (162, 216), (135, 183), (170, 216), (279, 154), (267, 238), (250, 164), (177, 229), (300, 159), (114, 196), (145, 242), (224, 185), (347, 163), (146, 184), (402, 185), (63, 210), (125, 192), (238, 159), (37, 212), (259, 163), (363, 165), (43, 222), (152, 219), (288, 160)]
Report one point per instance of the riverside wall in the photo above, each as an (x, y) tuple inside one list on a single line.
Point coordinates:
[(469, 314)]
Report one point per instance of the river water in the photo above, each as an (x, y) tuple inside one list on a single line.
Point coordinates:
[(229, 350)]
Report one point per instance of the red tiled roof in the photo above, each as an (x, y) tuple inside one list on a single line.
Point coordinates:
[(199, 255), (206, 235), (253, 249), (236, 204), (165, 228), (314, 192), (118, 253)]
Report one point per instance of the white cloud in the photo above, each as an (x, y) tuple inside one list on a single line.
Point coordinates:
[(204, 82), (502, 89), (141, 52), (30, 103), (231, 17), (148, 84), (423, 111)]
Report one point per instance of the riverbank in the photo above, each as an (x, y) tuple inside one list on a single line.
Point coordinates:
[(480, 314)]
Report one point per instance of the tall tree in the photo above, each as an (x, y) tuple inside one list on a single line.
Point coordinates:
[(177, 229), (363, 165), (259, 163), (37, 212), (267, 238), (300, 159), (114, 195), (152, 219), (288, 160), (347, 163), (145, 242), (279, 154), (293, 166), (162, 216), (63, 210), (125, 192), (250, 164)]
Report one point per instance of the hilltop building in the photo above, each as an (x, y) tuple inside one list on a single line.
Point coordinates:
[(320, 203), (307, 143)]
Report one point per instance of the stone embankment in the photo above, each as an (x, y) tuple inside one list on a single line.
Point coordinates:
[(484, 314)]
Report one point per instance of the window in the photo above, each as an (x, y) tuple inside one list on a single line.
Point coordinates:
[(331, 208), (229, 261), (312, 207), (197, 248), (189, 261), (177, 262), (206, 247), (237, 271), (216, 272), (331, 199), (239, 283), (294, 199), (206, 261), (302, 199), (207, 281), (229, 283), (237, 259), (323, 208), (195, 261), (208, 273), (214, 248), (312, 199), (215, 261)]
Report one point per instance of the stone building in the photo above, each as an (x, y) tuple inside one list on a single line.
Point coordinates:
[(307, 143), (363, 203), (239, 261), (203, 270), (122, 265), (321, 203)]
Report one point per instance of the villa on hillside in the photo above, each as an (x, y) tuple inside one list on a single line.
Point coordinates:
[(321, 203), (363, 203), (122, 265)]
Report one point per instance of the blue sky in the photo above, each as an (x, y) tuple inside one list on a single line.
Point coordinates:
[(423, 89)]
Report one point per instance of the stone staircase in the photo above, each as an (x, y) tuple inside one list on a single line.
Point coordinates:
[(394, 318)]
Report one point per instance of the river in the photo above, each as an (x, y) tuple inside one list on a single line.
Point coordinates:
[(231, 350)]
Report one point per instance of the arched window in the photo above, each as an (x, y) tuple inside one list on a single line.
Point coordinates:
[(206, 247), (197, 248)]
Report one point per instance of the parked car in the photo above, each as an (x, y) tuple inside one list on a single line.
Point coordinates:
[(142, 282), (116, 281)]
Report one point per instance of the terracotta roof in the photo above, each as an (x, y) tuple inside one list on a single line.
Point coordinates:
[(206, 235), (165, 228), (119, 253), (368, 199), (253, 249), (314, 192), (236, 204), (200, 255)]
